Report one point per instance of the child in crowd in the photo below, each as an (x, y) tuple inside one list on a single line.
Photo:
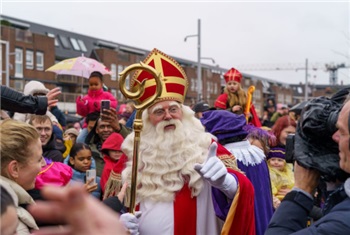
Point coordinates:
[(281, 175), (69, 137), (128, 110), (91, 102), (80, 159), (113, 155), (234, 98)]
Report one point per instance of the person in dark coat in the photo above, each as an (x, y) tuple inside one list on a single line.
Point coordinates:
[(14, 101), (292, 215)]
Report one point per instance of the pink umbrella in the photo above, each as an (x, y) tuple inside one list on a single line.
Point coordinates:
[(79, 66)]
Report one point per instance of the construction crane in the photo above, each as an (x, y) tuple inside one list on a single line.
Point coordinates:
[(327, 67)]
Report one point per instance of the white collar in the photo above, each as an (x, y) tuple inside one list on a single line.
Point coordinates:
[(246, 153)]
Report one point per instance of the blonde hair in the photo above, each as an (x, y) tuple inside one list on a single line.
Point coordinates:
[(39, 119), (16, 137), (237, 98)]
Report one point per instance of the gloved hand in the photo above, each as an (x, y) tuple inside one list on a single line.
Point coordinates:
[(215, 172), (131, 222)]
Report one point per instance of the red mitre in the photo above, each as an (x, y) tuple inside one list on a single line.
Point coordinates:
[(174, 80), (233, 75)]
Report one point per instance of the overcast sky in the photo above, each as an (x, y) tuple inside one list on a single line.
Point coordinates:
[(252, 35)]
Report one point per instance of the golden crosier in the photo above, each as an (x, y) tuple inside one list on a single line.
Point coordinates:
[(250, 91), (140, 107)]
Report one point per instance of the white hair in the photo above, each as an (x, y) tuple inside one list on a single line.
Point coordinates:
[(166, 159)]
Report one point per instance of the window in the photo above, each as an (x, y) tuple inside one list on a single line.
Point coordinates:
[(29, 59), (75, 44), (82, 45), (114, 72), (51, 35), (39, 61), (65, 42), (18, 85), (120, 68), (19, 63), (114, 93), (192, 84)]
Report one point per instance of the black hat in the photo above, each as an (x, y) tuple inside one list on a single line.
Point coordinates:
[(201, 107)]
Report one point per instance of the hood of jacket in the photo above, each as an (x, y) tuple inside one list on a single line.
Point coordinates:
[(34, 87), (113, 142)]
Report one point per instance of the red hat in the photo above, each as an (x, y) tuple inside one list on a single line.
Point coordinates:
[(174, 80), (233, 75)]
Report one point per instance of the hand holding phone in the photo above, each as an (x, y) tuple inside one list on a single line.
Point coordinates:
[(105, 104), (89, 175)]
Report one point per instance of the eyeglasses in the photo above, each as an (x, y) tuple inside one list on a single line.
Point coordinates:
[(161, 112)]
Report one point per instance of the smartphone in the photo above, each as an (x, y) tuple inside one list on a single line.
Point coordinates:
[(91, 174), (105, 104)]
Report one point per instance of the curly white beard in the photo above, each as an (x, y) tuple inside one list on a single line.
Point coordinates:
[(167, 158)]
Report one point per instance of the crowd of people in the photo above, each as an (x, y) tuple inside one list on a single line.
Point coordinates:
[(200, 170)]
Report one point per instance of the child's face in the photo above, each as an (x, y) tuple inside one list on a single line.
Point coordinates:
[(95, 83), (233, 86), (277, 163), (82, 161), (115, 155), (129, 108)]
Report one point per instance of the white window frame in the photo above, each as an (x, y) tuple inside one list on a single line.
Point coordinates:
[(39, 62), (19, 62), (75, 44), (29, 59), (82, 45), (114, 72)]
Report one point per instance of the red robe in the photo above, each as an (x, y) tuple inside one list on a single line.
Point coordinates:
[(221, 102)]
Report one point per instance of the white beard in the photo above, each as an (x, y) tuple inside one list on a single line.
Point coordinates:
[(167, 158)]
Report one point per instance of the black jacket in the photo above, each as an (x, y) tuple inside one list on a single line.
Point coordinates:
[(14, 101), (54, 149)]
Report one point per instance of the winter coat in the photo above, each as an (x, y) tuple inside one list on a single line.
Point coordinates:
[(81, 177), (113, 142), (292, 215), (54, 149), (15, 101), (91, 102), (20, 196), (54, 173)]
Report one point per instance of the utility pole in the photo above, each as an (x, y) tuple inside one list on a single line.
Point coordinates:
[(199, 67), (306, 81)]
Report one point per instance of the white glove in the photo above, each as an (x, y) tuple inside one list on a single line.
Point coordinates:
[(131, 222), (215, 172)]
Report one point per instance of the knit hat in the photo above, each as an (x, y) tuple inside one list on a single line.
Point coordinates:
[(224, 124), (71, 131), (277, 153), (33, 87)]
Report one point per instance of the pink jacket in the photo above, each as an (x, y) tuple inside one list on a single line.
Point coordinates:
[(54, 173), (91, 102)]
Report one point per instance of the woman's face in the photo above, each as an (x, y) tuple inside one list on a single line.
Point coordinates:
[(285, 132), (28, 171), (232, 86)]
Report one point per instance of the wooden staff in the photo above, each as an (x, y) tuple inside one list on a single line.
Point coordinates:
[(250, 91), (140, 107)]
